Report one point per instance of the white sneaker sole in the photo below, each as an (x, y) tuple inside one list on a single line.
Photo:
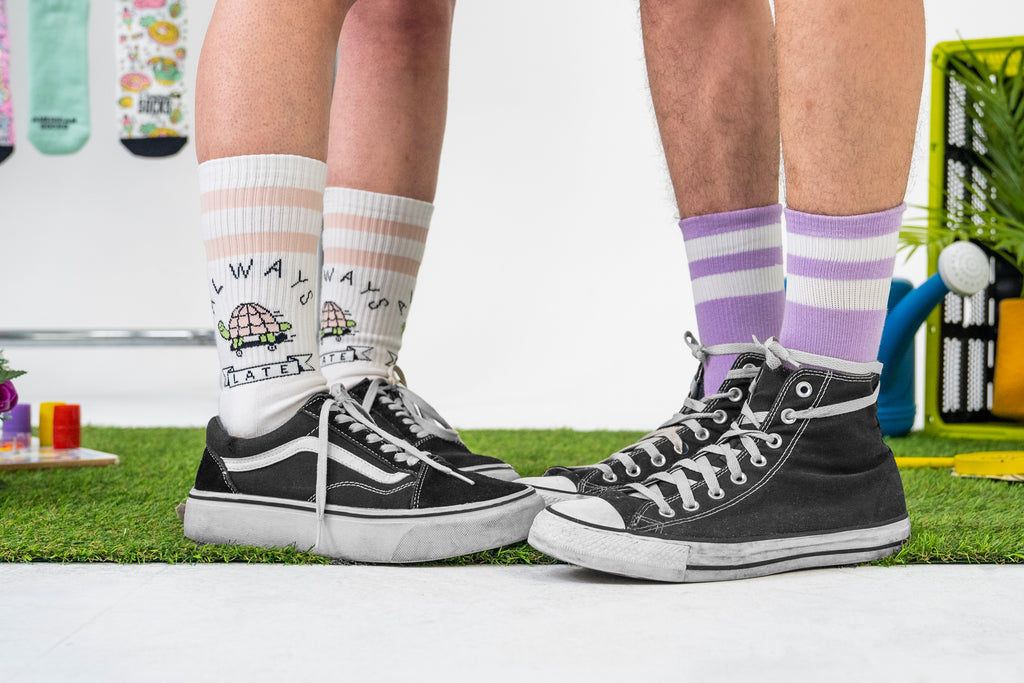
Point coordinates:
[(356, 534), (642, 557)]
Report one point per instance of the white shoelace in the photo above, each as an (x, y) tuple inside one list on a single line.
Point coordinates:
[(419, 416), (745, 433), (348, 414), (689, 417)]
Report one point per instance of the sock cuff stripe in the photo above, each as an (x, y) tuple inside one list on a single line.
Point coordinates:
[(733, 319), (734, 242), (746, 260), (259, 197), (838, 295), (856, 249), (233, 246), (738, 283), (378, 226), (373, 260), (730, 221), (840, 227), (823, 269), (346, 200), (264, 171)]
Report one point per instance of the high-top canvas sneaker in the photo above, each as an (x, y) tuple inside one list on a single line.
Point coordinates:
[(802, 480), (395, 407), (702, 419), (331, 482)]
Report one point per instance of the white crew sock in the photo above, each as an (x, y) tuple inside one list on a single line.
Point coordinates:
[(261, 226), (373, 246)]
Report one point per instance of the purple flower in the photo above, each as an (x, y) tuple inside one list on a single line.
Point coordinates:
[(8, 396)]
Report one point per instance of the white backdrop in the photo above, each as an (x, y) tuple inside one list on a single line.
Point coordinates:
[(554, 290)]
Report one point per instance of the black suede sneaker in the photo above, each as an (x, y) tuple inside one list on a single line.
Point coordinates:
[(702, 419), (802, 480), (402, 413), (331, 482)]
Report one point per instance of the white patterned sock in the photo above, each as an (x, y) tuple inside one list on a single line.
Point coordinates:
[(373, 246), (261, 228)]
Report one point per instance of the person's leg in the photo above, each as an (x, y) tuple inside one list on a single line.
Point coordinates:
[(387, 126), (711, 67), (849, 102), (262, 104), (711, 71), (803, 478), (287, 462)]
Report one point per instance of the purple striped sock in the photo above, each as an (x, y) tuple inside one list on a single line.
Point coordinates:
[(735, 262), (838, 273)]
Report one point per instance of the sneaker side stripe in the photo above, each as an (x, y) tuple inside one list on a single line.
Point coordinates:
[(310, 444)]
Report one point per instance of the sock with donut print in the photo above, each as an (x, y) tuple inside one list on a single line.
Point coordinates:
[(6, 107), (151, 50), (58, 59)]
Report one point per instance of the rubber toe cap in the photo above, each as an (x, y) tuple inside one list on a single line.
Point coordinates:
[(561, 484), (595, 511)]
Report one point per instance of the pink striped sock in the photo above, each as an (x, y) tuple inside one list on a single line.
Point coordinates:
[(735, 262), (373, 245), (838, 273), (261, 227)]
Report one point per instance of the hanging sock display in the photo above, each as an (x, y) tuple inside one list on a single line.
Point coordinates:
[(6, 105), (151, 51), (58, 59)]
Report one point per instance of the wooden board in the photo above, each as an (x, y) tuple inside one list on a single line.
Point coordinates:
[(37, 458)]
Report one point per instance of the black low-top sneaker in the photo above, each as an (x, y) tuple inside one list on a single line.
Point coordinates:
[(395, 407), (702, 419), (802, 480), (329, 481)]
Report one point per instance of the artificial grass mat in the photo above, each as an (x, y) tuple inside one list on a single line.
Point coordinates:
[(127, 513)]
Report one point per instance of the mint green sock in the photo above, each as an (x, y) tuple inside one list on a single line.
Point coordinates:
[(58, 59)]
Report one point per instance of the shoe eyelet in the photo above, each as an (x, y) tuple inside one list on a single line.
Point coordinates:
[(740, 480), (760, 462), (611, 477), (788, 416), (658, 460), (693, 508), (634, 472), (775, 441), (720, 417), (670, 513), (804, 389), (703, 434), (735, 394), (720, 496), (749, 366)]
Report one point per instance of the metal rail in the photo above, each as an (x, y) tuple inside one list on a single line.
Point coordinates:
[(107, 337)]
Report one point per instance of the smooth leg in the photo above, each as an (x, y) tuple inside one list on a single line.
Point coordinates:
[(263, 84), (391, 97)]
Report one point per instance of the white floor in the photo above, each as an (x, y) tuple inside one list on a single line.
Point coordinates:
[(361, 623)]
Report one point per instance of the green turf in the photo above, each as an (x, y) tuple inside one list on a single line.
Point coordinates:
[(126, 513)]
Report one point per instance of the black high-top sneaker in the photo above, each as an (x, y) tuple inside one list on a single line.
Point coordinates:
[(802, 480), (395, 407), (702, 419), (331, 482)]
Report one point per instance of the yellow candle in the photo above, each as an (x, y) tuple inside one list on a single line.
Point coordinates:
[(46, 422)]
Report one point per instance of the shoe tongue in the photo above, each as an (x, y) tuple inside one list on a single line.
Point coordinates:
[(766, 387)]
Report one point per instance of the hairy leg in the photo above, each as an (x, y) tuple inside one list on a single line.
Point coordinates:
[(263, 84), (391, 97), (850, 76), (712, 76)]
